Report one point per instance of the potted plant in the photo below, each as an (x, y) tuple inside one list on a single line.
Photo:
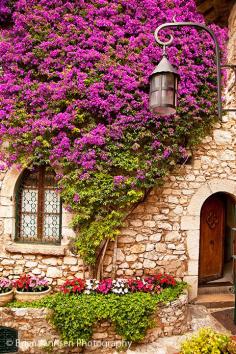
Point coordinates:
[(31, 288), (6, 291)]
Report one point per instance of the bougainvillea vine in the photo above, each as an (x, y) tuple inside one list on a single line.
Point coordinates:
[(74, 94)]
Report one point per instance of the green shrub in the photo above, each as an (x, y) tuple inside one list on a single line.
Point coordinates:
[(75, 315), (206, 341)]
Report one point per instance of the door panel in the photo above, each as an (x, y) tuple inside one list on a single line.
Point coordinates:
[(234, 251), (212, 231)]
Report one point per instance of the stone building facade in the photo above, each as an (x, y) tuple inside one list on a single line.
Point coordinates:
[(162, 234)]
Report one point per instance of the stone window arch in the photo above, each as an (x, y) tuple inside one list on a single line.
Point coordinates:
[(8, 242), (38, 207)]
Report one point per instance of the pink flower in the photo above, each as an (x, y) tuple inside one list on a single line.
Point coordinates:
[(76, 198)]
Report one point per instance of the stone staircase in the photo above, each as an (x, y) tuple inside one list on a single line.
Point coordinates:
[(216, 296)]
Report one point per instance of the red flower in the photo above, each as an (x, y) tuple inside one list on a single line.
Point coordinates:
[(74, 286)]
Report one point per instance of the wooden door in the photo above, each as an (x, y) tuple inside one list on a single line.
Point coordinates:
[(212, 232), (234, 247)]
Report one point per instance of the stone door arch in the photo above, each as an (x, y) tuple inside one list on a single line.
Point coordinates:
[(190, 224)]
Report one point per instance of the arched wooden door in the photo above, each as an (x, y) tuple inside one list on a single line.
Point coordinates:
[(212, 233)]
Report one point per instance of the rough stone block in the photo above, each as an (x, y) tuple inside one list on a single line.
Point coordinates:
[(138, 248), (155, 237), (193, 240), (172, 236), (31, 264), (193, 289), (54, 272), (222, 137), (228, 155), (50, 261), (70, 260), (192, 267), (149, 264)]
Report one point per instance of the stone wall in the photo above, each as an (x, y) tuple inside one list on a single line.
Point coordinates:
[(35, 333), (162, 233)]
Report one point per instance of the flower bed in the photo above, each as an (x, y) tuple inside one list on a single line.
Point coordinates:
[(101, 321), (128, 309), (152, 284)]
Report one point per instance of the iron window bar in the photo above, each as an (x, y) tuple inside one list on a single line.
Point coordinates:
[(38, 208)]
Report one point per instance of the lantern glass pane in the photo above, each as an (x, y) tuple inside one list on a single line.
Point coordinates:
[(167, 97), (155, 83), (176, 90), (176, 84), (168, 81), (155, 99)]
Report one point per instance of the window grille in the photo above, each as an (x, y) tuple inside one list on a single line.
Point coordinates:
[(8, 340), (38, 207)]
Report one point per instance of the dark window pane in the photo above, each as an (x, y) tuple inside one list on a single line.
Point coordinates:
[(38, 205)]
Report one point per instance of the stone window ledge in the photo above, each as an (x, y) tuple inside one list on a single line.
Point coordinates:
[(26, 248)]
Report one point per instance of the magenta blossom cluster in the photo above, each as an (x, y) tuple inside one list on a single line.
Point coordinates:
[(5, 12), (74, 92), (75, 76)]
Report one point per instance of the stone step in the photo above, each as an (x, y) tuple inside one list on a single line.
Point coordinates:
[(215, 300), (215, 289)]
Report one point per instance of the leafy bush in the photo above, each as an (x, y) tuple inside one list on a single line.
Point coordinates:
[(206, 341), (75, 315)]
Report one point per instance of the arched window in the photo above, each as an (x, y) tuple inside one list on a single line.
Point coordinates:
[(38, 207)]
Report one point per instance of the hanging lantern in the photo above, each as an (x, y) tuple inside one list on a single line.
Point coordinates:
[(163, 88)]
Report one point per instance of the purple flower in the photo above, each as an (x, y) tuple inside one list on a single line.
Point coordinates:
[(74, 91), (76, 198), (140, 175), (166, 153), (118, 180)]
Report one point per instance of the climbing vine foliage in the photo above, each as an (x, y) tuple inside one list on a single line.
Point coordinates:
[(74, 94)]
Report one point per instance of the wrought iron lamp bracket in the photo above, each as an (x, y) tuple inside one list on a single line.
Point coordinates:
[(217, 53)]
